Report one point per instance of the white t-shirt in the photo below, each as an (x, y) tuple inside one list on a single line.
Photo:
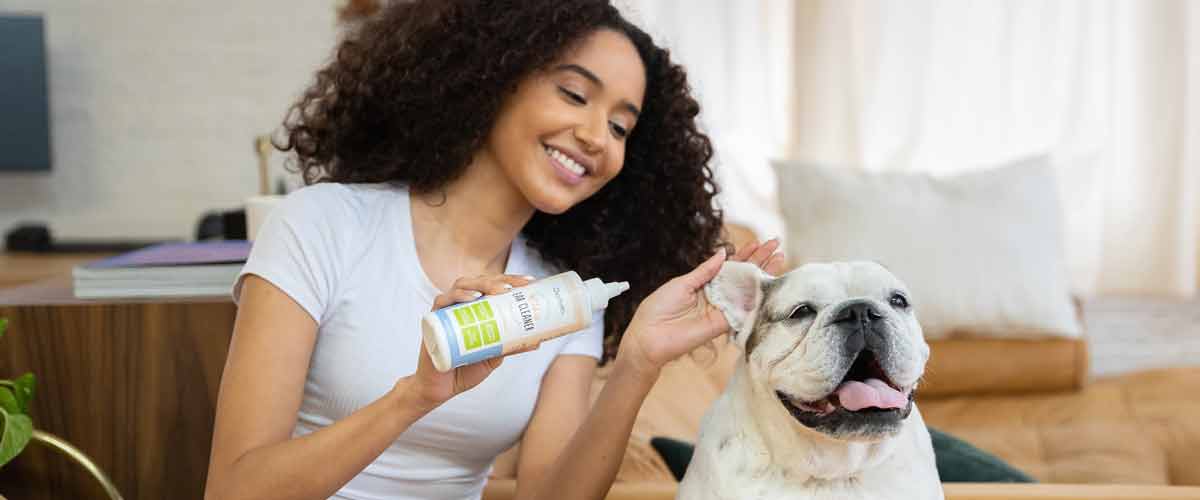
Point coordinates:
[(345, 253)]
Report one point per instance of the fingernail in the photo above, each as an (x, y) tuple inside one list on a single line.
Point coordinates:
[(720, 253), (507, 286), (477, 294), (529, 278)]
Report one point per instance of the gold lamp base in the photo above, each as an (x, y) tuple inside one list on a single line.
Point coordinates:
[(76, 455)]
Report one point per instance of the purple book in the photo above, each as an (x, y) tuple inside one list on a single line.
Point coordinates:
[(179, 254)]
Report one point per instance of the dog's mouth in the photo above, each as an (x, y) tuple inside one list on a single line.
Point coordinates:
[(865, 390)]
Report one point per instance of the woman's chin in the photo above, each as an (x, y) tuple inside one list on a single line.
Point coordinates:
[(553, 203), (552, 198), (555, 207)]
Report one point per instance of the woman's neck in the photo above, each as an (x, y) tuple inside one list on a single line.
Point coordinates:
[(470, 231)]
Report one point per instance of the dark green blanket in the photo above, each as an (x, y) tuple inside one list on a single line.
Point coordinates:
[(957, 460)]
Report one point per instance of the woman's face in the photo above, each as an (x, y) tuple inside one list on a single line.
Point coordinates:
[(561, 136)]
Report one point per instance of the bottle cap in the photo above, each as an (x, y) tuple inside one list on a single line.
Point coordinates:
[(600, 292)]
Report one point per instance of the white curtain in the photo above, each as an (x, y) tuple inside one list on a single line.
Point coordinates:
[(1109, 88), (739, 61)]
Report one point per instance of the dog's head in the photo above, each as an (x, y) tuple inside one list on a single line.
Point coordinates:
[(838, 345)]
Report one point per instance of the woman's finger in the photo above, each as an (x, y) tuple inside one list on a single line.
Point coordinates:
[(466, 377), (745, 252), (516, 280), (775, 264), (491, 284), (705, 272), (468, 289), (455, 296), (764, 252)]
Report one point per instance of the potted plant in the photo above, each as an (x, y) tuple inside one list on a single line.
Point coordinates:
[(16, 428)]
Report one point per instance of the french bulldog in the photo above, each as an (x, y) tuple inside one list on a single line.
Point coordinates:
[(820, 405)]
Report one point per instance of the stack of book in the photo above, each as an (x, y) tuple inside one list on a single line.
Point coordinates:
[(166, 270)]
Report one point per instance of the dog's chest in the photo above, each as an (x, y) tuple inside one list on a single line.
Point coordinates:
[(778, 488), (738, 458)]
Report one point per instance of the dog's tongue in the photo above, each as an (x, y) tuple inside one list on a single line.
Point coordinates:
[(854, 395)]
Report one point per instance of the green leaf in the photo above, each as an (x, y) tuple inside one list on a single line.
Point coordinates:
[(17, 430), (3, 326), (23, 390), (8, 402)]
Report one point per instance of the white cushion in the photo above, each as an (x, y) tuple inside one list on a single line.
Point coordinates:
[(981, 252)]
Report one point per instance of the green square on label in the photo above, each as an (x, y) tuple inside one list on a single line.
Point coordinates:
[(491, 332), (463, 316), (483, 310), (471, 338)]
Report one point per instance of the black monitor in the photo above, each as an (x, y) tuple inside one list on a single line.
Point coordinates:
[(24, 106)]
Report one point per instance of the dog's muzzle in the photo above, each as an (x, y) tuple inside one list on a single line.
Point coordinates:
[(865, 400)]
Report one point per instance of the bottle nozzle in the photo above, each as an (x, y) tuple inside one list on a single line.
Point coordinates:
[(615, 289), (599, 292)]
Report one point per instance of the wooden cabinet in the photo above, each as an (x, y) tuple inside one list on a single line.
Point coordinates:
[(131, 383), (19, 268)]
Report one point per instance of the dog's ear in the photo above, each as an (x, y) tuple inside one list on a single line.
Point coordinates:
[(737, 291)]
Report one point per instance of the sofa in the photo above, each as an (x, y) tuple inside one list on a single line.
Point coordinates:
[(1093, 396), (1131, 436)]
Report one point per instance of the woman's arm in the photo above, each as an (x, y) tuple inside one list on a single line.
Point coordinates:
[(562, 406), (253, 454), (585, 465), (261, 388)]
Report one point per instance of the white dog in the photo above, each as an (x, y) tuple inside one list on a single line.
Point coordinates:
[(820, 404)]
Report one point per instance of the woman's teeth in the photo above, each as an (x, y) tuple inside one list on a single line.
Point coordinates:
[(566, 161)]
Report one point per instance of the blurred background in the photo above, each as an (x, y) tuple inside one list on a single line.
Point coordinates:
[(1030, 168), (152, 108), (1109, 90)]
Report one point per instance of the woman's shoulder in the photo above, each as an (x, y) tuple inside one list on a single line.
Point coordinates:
[(338, 196), (336, 204)]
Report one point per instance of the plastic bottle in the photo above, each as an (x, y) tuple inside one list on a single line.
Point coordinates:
[(519, 319)]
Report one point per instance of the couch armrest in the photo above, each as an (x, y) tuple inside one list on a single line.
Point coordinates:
[(975, 366), (1001, 491)]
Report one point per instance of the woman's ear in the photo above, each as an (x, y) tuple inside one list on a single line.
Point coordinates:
[(737, 292)]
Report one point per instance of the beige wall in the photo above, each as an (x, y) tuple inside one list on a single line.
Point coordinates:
[(154, 105)]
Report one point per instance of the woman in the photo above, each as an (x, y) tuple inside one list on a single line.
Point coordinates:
[(467, 146)]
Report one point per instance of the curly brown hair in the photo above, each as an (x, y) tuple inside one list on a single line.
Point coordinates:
[(413, 92)]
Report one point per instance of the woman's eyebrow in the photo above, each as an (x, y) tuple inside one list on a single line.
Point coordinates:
[(586, 73)]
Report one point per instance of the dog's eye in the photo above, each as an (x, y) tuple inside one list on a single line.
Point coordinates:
[(802, 311), (898, 301)]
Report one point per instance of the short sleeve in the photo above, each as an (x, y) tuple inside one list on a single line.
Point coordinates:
[(298, 250), (589, 342)]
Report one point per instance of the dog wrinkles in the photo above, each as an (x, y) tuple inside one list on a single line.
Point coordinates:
[(863, 437)]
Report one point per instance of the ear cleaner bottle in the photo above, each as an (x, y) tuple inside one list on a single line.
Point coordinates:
[(522, 318)]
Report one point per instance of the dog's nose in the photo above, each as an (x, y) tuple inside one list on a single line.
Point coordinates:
[(857, 312), (856, 319)]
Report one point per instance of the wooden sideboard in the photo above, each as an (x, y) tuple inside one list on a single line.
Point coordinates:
[(131, 383), (19, 268)]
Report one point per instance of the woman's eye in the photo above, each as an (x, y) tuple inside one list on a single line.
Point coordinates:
[(578, 99), (802, 311), (619, 131)]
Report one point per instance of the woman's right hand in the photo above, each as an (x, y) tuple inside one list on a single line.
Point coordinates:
[(431, 388)]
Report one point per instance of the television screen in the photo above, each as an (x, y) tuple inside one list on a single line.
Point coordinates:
[(24, 108)]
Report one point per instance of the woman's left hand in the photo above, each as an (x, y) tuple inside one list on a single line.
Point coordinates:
[(676, 318)]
